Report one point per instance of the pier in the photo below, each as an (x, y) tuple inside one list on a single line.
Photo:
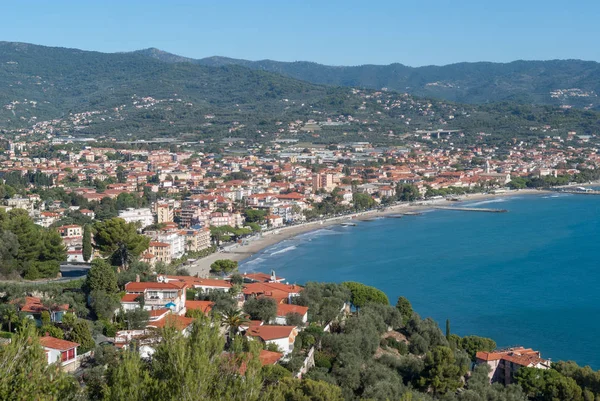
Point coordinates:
[(575, 192), (470, 209)]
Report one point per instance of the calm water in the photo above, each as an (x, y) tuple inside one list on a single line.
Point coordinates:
[(528, 277)]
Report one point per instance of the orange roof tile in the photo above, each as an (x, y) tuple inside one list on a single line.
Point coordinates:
[(267, 332), (57, 343), (284, 309)]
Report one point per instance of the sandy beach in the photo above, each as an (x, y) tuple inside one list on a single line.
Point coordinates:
[(272, 237)]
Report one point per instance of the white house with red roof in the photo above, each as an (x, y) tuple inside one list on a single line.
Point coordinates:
[(283, 310), (282, 336), (62, 351), (155, 296), (204, 284)]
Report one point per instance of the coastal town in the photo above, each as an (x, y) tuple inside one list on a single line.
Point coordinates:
[(185, 206)]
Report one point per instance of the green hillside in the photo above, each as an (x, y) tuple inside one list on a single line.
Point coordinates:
[(481, 82), (139, 95)]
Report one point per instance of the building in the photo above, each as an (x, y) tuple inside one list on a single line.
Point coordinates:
[(155, 296), (164, 213), (33, 307), (176, 242), (282, 336), (70, 231), (283, 310), (274, 221), (143, 216), (62, 351), (504, 363), (196, 239), (282, 293), (322, 181), (204, 284), (161, 251)]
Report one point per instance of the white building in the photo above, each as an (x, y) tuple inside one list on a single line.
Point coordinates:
[(177, 242), (142, 216), (62, 351), (156, 296)]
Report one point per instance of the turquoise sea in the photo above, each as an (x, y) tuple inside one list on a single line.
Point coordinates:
[(527, 277)]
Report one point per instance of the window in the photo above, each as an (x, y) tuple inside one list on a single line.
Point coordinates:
[(64, 356)]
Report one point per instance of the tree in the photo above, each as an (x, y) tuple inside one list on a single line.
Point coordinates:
[(10, 315), (448, 329), (81, 334), (263, 309), (224, 266), (363, 294), (119, 240), (232, 319), (405, 308), (407, 192), (294, 319), (254, 215), (441, 373), (87, 243), (290, 389), (137, 319), (362, 201), (101, 277), (103, 304), (548, 385), (474, 344), (26, 374)]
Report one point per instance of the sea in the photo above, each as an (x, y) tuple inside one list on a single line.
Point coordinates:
[(528, 277)]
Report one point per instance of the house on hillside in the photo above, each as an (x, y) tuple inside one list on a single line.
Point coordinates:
[(152, 296), (504, 363), (33, 308), (282, 336), (283, 310), (62, 351)]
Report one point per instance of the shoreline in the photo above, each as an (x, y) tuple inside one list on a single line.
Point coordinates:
[(254, 245)]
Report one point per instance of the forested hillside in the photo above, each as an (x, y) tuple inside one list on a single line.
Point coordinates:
[(73, 92), (555, 82)]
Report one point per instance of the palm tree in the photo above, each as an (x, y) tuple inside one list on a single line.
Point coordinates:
[(232, 319), (10, 316)]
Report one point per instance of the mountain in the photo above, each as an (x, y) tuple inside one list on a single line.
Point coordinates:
[(151, 93), (553, 82)]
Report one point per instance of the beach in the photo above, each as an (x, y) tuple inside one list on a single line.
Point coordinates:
[(240, 252)]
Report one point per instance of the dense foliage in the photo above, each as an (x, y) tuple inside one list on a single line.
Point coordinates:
[(27, 249)]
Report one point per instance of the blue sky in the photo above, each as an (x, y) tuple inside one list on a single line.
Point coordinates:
[(326, 31)]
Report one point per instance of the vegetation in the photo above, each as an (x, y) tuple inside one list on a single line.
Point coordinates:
[(119, 241), (224, 266), (27, 249)]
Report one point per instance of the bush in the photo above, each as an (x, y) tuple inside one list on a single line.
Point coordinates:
[(323, 360)]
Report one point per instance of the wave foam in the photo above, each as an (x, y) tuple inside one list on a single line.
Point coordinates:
[(284, 250), (486, 202)]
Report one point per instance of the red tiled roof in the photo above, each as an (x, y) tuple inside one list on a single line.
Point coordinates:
[(142, 286), (171, 320), (34, 305), (129, 297), (267, 332), (204, 306), (269, 357), (261, 277), (284, 309), (57, 344), (158, 312)]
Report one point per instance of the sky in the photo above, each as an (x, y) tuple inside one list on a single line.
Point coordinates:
[(333, 32)]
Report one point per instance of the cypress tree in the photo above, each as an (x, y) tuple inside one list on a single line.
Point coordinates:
[(448, 329), (87, 243)]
